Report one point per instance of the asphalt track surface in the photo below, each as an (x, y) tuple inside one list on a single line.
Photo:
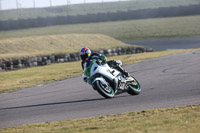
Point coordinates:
[(166, 82), (169, 44)]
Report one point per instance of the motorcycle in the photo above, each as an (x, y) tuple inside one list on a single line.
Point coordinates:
[(109, 82)]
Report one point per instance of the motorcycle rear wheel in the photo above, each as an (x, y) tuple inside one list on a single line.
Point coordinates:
[(134, 88), (106, 92)]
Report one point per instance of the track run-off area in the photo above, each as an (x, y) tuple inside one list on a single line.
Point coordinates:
[(166, 82)]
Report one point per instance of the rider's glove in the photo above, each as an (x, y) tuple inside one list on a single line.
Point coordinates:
[(103, 58)]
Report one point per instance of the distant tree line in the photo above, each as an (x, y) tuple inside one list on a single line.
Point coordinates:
[(101, 17)]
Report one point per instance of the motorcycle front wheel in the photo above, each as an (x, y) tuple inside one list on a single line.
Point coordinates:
[(105, 91), (134, 87)]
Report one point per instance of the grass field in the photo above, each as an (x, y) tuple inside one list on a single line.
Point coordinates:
[(52, 44), (123, 30), (164, 120), (19, 79), (92, 8)]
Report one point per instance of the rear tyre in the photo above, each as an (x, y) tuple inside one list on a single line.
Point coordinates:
[(105, 91), (134, 87)]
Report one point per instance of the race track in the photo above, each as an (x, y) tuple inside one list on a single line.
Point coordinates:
[(168, 44), (166, 82)]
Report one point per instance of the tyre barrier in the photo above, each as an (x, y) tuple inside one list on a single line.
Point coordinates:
[(25, 62)]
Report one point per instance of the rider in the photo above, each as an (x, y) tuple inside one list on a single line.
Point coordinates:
[(86, 56)]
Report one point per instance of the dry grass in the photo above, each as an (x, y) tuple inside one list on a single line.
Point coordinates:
[(169, 120), (14, 80), (156, 28), (51, 44)]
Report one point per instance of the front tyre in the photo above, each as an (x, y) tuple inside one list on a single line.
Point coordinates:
[(134, 87), (105, 91)]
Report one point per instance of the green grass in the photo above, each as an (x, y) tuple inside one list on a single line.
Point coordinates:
[(92, 8), (53, 44), (164, 120), (19, 79), (123, 30)]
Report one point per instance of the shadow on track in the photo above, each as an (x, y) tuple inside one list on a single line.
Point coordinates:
[(57, 103)]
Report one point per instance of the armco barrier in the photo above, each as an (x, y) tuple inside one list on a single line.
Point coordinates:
[(14, 64)]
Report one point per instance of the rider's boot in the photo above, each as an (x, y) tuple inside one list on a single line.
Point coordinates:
[(117, 66), (124, 72)]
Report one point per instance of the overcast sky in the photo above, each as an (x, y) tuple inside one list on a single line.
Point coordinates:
[(11, 4)]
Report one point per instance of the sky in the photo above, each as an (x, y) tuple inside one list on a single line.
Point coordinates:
[(11, 4)]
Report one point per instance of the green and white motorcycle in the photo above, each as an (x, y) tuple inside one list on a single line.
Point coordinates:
[(109, 82)]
